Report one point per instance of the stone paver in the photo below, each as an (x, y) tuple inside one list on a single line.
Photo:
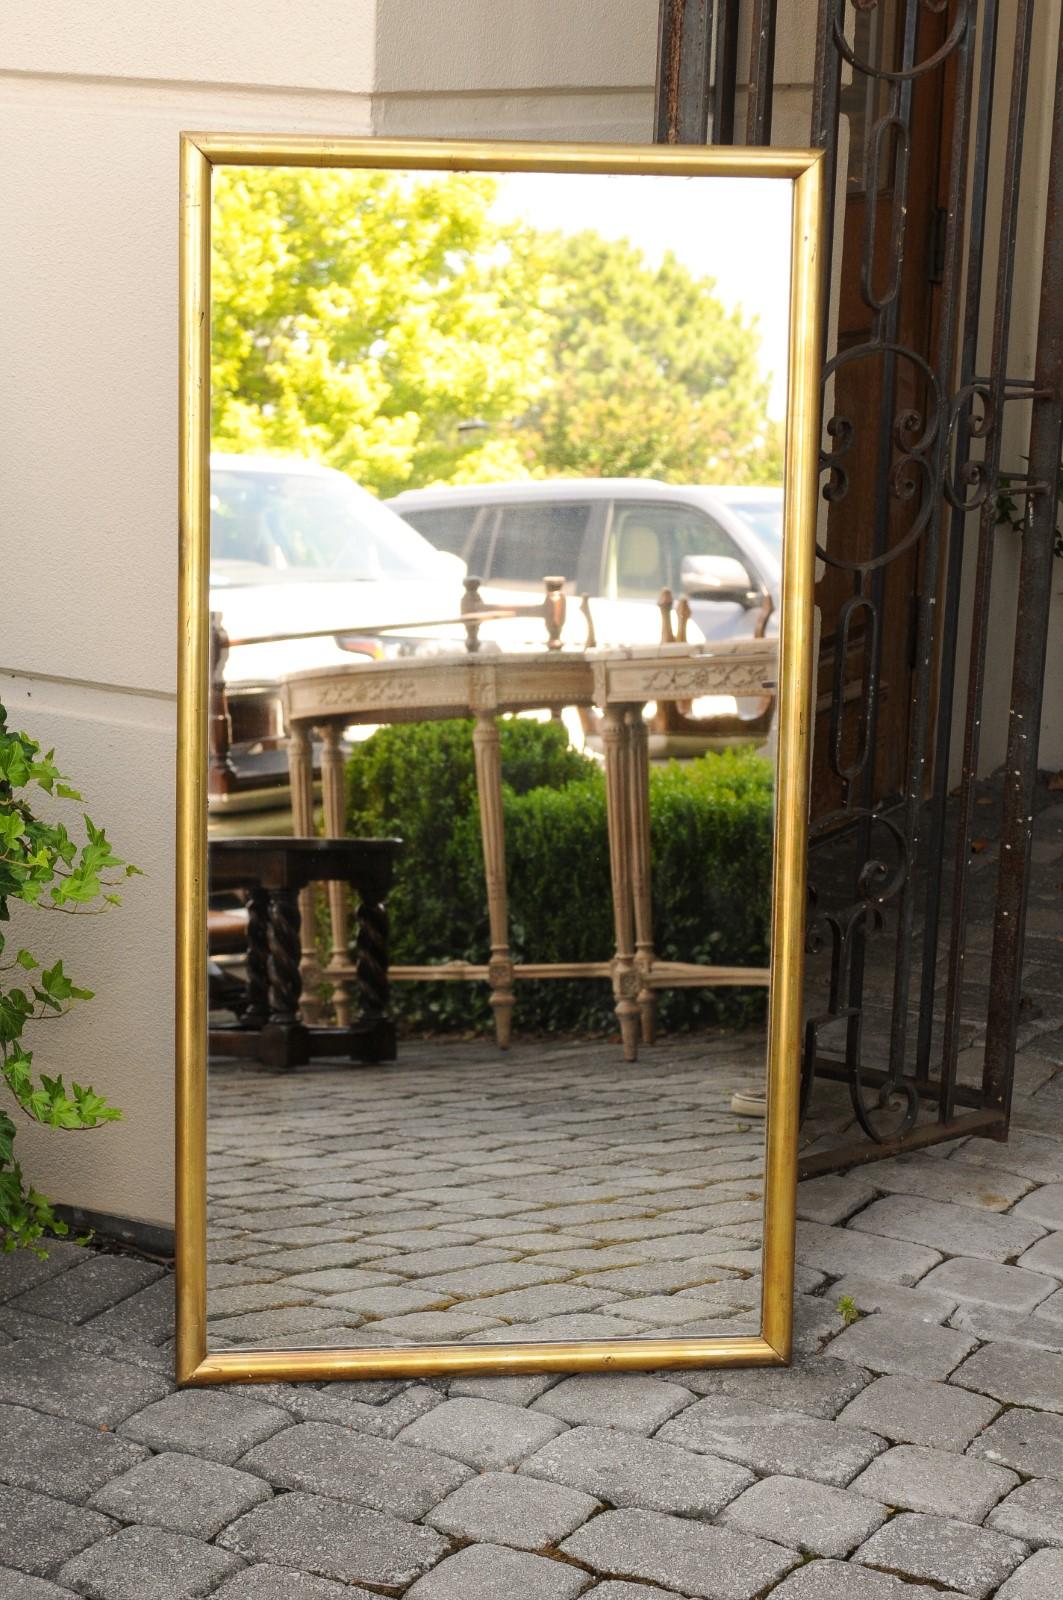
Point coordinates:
[(1029, 1441), (37, 1531), (633, 1402), (935, 1550), (916, 1411), (481, 1433), (710, 1563), (147, 1564), (1040, 1578), (1044, 1256), (20, 1586), (491, 1572), (1015, 1374), (952, 1229), (646, 1473), (334, 1540), (965, 1278), (94, 1285), (840, 1580), (931, 1481), (324, 1459), (66, 1382), (263, 1582), (181, 1494), (53, 1456), (773, 1441), (1033, 1511), (808, 1516), (894, 1343), (218, 1424), (502, 1508)]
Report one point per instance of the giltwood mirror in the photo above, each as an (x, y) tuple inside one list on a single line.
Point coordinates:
[(497, 506)]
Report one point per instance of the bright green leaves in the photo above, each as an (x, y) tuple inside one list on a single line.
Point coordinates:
[(361, 317), (43, 866)]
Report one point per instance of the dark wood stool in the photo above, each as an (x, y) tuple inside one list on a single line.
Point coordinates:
[(273, 871)]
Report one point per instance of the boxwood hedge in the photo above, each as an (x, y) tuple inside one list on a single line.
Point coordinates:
[(711, 828)]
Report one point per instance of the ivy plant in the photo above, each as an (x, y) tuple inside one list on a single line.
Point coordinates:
[(42, 865)]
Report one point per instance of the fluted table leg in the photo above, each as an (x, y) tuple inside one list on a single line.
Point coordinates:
[(301, 779), (488, 755), (625, 976), (638, 767), (334, 790)]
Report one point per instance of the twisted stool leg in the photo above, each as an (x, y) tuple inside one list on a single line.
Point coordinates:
[(285, 980), (257, 963), (371, 975)]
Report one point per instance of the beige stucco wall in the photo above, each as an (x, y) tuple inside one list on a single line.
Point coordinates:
[(92, 100)]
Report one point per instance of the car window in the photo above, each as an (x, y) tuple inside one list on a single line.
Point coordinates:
[(447, 527), (649, 543), (534, 539)]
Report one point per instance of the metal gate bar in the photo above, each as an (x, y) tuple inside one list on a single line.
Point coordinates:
[(934, 464)]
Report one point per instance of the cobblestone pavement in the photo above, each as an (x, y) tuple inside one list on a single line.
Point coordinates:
[(918, 1448)]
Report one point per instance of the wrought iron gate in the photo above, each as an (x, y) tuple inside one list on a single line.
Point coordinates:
[(919, 458)]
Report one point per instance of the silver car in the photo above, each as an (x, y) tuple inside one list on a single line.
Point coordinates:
[(620, 539)]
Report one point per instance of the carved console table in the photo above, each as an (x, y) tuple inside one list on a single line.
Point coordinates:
[(485, 686)]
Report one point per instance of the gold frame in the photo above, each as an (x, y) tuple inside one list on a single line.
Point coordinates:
[(200, 153)]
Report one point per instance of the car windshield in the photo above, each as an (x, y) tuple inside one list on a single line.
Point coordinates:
[(273, 526), (763, 516)]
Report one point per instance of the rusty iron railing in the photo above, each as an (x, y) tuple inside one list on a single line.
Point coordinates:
[(890, 863)]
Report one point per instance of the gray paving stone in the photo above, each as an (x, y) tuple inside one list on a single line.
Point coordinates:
[(1045, 1256), (263, 1582), (773, 1441), (482, 1433), (840, 1580), (324, 1459), (20, 1586), (833, 1199), (21, 1270), (502, 1508), (54, 1456), (969, 1279), (1031, 1155), (1044, 1205), (1029, 1441), (495, 1278), (434, 1327), (333, 1539), (646, 1473), (869, 1296), (629, 1591), (812, 1517), (255, 1326), (955, 1230), (1033, 1511), (512, 1391), (241, 1298), (430, 1263), (944, 1485), (916, 1411), (892, 1343), (148, 1314), (181, 1494), (490, 1572), (840, 1251), (96, 1283), (935, 1550), (614, 1400), (819, 1387), (315, 1257), (37, 1532), (992, 1189), (391, 1300), (218, 1424), (708, 1562), (1039, 1578), (65, 1382), (147, 1564), (1015, 1374), (544, 1300)]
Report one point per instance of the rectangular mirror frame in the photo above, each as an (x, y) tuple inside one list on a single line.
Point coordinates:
[(200, 153)]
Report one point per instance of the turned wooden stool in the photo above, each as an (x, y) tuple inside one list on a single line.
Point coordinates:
[(274, 872)]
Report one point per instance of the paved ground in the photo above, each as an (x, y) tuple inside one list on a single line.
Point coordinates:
[(554, 1192), (919, 1448)]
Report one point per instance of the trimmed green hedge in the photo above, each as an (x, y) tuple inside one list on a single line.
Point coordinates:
[(711, 828)]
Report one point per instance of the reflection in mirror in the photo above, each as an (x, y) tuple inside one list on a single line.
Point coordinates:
[(495, 590)]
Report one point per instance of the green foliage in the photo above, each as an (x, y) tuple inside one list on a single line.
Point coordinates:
[(711, 822), (43, 866), (360, 317), (849, 1310)]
